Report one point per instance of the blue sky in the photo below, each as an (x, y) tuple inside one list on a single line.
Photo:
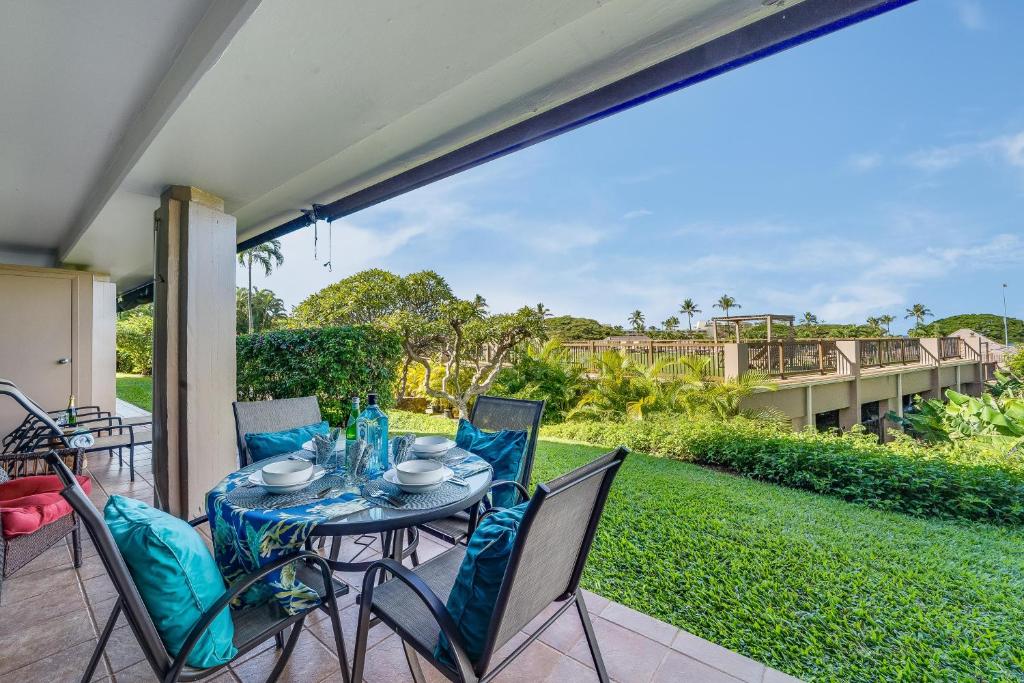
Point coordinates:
[(853, 176)]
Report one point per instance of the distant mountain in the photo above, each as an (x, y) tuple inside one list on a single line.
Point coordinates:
[(987, 324)]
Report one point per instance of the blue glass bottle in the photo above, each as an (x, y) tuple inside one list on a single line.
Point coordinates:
[(372, 427)]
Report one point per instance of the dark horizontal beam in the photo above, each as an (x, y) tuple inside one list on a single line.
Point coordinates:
[(780, 31)]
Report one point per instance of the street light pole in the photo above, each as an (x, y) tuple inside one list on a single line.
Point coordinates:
[(1006, 329)]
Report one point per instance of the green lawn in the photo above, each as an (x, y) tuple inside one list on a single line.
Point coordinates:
[(819, 588), (136, 389)]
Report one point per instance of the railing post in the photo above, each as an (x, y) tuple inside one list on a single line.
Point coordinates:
[(650, 353), (782, 360), (821, 357)]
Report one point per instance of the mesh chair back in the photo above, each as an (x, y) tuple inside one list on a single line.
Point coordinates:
[(135, 610), (30, 406), (272, 416), (551, 547), (494, 413)]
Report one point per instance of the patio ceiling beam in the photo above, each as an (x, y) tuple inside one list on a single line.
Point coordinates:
[(793, 26)]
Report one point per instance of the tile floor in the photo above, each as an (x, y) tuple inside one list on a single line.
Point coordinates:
[(50, 615)]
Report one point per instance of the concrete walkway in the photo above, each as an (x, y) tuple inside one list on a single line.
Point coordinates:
[(50, 615)]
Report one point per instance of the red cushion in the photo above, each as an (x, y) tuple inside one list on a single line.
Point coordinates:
[(28, 503)]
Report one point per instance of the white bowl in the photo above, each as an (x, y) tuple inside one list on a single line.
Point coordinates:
[(287, 472), (257, 478), (432, 445), (391, 476), (419, 472)]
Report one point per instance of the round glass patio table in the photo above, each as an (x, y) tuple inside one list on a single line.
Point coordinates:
[(385, 521)]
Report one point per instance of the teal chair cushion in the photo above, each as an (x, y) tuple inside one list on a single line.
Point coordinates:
[(473, 597), (503, 450), (268, 444), (176, 576)]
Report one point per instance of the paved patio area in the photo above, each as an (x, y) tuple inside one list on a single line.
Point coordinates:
[(51, 614)]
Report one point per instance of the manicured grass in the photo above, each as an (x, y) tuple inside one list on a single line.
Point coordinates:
[(136, 389), (820, 588)]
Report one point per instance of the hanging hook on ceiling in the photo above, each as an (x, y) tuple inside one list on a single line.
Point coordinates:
[(314, 215)]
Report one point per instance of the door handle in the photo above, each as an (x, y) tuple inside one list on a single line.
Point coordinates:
[(63, 361)]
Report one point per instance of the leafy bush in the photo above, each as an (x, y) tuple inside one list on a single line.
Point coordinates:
[(331, 363), (544, 372), (135, 341), (958, 481)]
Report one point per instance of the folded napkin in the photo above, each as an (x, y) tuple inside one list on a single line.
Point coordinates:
[(470, 466), (81, 440)]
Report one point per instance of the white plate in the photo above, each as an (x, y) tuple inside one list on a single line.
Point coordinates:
[(433, 450), (339, 446), (257, 478), (391, 476)]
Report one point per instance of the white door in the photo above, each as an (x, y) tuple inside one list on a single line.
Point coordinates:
[(35, 342)]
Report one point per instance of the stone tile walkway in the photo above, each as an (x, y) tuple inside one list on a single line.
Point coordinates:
[(50, 615)]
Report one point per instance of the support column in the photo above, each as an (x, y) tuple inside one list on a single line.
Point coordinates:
[(930, 355), (193, 349), (850, 415), (737, 360)]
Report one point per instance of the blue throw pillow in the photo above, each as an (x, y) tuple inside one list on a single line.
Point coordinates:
[(268, 444), (471, 602), (503, 450), (176, 576)]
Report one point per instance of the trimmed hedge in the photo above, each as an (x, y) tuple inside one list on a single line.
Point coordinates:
[(331, 363), (905, 476)]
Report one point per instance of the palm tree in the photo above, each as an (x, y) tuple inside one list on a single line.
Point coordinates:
[(689, 309), (874, 322), (479, 304), (267, 255), (726, 302), (670, 323), (887, 320), (918, 312), (636, 321), (543, 311), (809, 319)]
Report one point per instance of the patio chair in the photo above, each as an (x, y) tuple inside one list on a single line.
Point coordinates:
[(112, 432), (83, 413), (495, 413), (546, 561), (253, 624), (254, 417), (18, 551)]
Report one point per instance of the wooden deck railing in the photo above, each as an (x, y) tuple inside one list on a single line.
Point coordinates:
[(951, 347), (795, 357), (650, 352), (886, 351)]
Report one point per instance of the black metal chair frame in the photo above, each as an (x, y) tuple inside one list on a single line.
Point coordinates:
[(169, 667), (466, 671), (42, 431), (443, 531)]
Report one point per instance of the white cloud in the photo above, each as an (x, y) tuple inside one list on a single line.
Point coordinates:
[(865, 161), (636, 213), (970, 14), (1006, 148)]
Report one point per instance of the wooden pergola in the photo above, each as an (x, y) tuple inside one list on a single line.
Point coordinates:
[(737, 321)]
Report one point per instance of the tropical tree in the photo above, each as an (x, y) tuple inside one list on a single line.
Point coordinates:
[(887, 320), (480, 303), (875, 323), (689, 309), (670, 324), (809, 319), (726, 303), (267, 255), (543, 310), (918, 312), (544, 372), (636, 321), (260, 308)]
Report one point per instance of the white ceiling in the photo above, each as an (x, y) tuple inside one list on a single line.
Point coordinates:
[(276, 104), (72, 74)]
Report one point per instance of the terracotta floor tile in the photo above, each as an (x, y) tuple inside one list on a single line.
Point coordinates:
[(721, 658), (564, 633), (311, 661), (323, 632), (66, 665), (44, 639), (629, 656), (678, 668), (542, 664), (641, 623), (595, 603), (386, 663)]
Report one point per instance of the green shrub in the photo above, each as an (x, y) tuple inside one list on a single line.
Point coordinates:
[(135, 341), (959, 481), (332, 363)]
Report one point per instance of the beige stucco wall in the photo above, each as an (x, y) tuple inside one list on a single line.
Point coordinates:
[(29, 295)]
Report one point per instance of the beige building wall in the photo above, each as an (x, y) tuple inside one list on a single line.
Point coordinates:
[(57, 329)]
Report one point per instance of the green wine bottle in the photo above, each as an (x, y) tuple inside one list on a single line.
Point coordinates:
[(351, 434)]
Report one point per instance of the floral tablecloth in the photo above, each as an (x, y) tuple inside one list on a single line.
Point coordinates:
[(244, 539)]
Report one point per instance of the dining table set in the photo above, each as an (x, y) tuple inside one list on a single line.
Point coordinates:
[(284, 504)]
